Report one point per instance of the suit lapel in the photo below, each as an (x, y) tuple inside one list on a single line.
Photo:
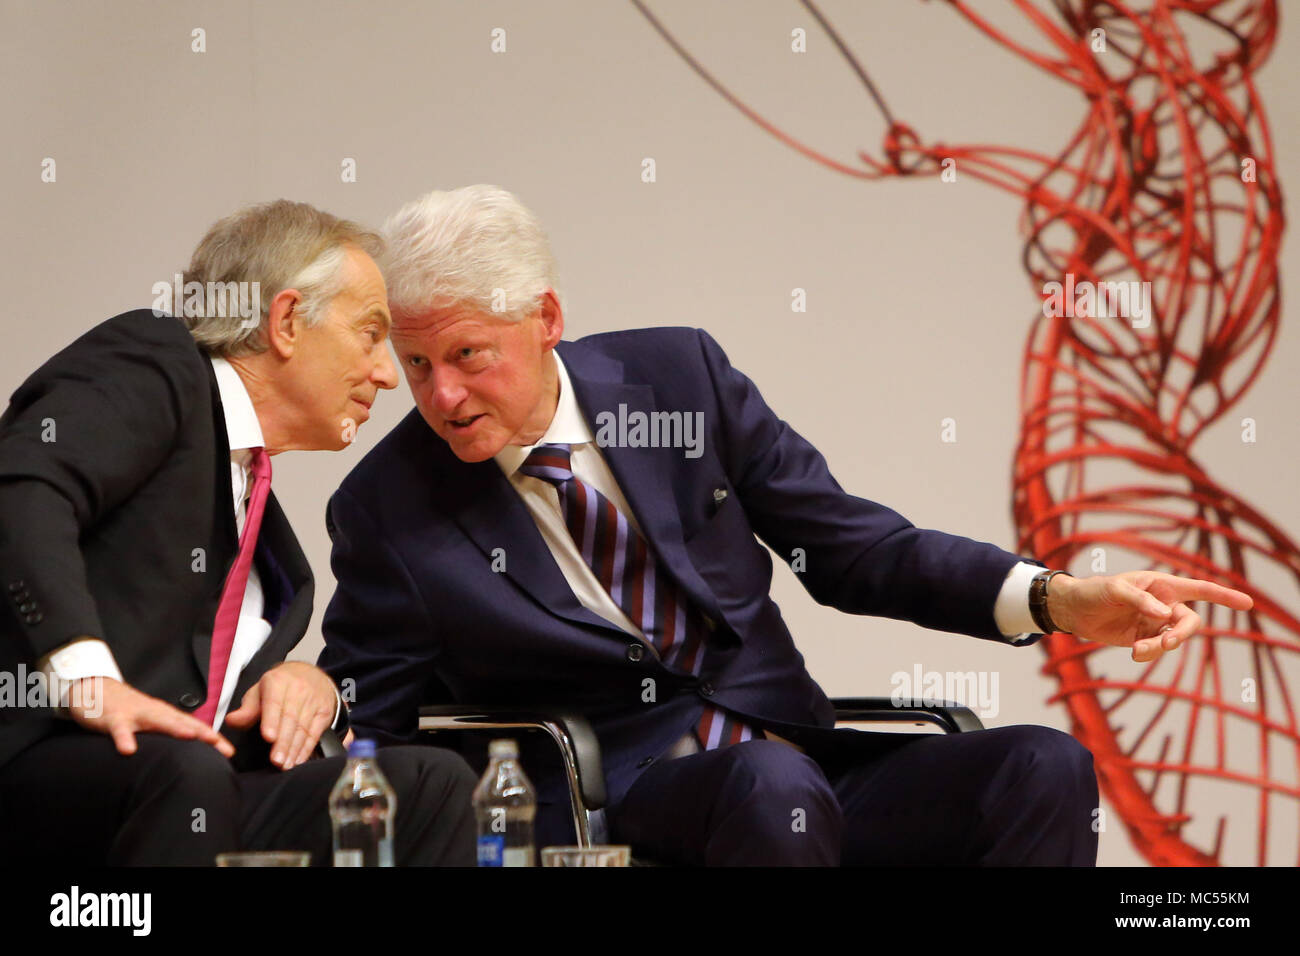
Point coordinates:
[(600, 385), (480, 499)]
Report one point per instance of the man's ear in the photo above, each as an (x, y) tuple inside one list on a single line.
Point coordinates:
[(552, 317), (283, 323)]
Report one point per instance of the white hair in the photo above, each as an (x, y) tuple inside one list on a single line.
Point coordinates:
[(476, 247)]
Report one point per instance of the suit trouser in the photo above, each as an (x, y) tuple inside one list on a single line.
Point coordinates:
[(74, 799), (1021, 795)]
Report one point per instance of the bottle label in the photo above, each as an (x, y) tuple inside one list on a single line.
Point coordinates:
[(492, 850), (348, 858), (519, 856)]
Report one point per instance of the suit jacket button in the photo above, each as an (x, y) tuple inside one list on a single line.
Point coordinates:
[(189, 700), (706, 689), (635, 652), (644, 762)]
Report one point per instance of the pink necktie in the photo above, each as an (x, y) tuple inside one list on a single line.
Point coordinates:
[(232, 596)]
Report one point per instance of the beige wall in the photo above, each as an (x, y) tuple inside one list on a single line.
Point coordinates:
[(917, 304)]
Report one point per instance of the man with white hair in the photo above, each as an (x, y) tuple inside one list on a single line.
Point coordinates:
[(153, 585), (577, 524)]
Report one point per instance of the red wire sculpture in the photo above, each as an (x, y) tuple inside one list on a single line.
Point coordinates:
[(1168, 181)]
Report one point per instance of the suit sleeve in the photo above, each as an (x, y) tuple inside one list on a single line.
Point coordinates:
[(858, 556), (380, 643), (79, 438)]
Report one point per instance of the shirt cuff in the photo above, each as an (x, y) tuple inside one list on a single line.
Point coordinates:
[(87, 657), (1011, 611)]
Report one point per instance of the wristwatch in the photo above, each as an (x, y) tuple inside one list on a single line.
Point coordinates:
[(1038, 602), (343, 721)]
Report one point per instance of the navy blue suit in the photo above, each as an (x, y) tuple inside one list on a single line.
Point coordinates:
[(421, 616)]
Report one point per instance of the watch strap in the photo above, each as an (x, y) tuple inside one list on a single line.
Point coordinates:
[(1038, 591)]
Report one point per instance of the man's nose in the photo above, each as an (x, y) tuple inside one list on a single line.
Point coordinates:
[(385, 371), (448, 393)]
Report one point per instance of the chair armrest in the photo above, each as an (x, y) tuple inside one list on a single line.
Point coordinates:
[(572, 733), (953, 718)]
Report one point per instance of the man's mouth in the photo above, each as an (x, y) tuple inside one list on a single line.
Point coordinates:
[(459, 423)]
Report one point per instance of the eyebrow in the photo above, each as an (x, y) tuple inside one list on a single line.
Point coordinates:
[(383, 316)]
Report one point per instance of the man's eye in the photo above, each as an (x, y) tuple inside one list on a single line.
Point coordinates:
[(466, 352), (415, 361)]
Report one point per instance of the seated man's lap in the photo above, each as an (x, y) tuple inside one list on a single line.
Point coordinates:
[(1007, 795), (434, 823), (1019, 795), (74, 798), (753, 803)]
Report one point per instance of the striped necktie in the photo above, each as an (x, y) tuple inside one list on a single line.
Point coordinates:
[(636, 580)]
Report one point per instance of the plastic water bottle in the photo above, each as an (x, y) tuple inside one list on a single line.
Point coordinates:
[(362, 808), (505, 805)]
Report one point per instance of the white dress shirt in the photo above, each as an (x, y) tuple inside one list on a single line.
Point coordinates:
[(569, 426), (91, 657)]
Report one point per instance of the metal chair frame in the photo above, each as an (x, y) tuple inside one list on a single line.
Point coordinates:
[(580, 750)]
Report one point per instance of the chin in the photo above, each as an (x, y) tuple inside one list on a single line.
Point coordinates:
[(474, 451), (473, 454)]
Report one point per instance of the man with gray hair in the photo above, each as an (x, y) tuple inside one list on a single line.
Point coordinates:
[(528, 536), (153, 586)]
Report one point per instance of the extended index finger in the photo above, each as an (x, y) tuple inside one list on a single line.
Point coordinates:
[(1193, 589), (162, 717)]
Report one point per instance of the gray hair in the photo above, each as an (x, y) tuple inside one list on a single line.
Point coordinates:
[(278, 245), (476, 247)]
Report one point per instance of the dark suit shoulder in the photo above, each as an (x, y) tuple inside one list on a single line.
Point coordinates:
[(97, 417), (146, 325), (141, 329), (127, 345), (624, 343), (409, 450), (645, 354)]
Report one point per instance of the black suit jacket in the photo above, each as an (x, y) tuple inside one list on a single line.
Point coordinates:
[(117, 522)]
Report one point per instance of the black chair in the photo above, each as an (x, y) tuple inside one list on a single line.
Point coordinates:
[(580, 750)]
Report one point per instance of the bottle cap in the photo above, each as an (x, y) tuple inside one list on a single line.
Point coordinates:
[(503, 748), (361, 748)]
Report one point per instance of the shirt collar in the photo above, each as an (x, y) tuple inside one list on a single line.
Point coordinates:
[(243, 430), (567, 426)]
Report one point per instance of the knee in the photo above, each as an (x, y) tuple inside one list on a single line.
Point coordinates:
[(1055, 761), (186, 774), (167, 762), (786, 788), (427, 773)]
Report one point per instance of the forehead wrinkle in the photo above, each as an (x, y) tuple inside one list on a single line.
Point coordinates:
[(432, 332)]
